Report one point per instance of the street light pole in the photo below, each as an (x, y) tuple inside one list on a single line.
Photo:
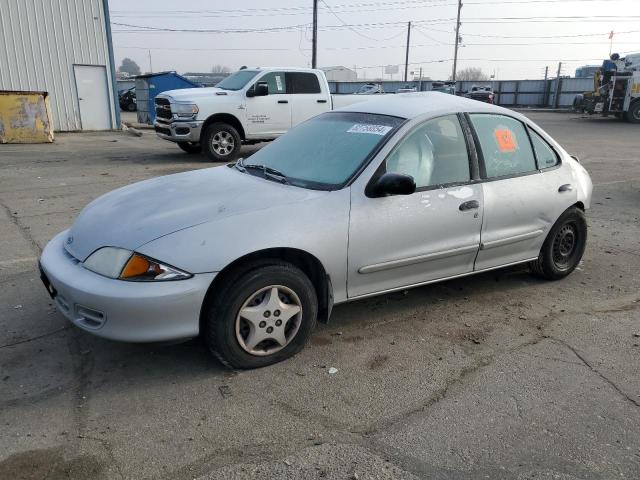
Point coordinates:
[(455, 53)]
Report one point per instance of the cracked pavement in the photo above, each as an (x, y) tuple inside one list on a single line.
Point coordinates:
[(493, 376)]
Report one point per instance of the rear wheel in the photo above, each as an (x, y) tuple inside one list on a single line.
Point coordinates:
[(221, 142), (261, 317), (633, 115), (564, 246), (190, 147)]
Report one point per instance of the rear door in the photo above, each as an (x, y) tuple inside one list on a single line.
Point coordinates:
[(523, 195), (403, 240), (270, 116), (307, 96)]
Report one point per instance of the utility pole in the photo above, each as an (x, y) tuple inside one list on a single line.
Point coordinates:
[(406, 58), (556, 98), (150, 64), (314, 46), (455, 53)]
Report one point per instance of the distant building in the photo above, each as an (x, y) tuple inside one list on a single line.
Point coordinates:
[(586, 71), (63, 48), (340, 74)]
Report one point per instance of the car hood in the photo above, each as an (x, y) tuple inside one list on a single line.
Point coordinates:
[(194, 94), (134, 215)]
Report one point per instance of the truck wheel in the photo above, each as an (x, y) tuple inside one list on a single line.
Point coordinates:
[(563, 248), (131, 107), (190, 147), (633, 115), (261, 317), (221, 142)]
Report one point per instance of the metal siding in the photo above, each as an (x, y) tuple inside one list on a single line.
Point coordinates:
[(42, 40)]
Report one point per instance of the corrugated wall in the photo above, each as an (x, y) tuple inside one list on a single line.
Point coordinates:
[(41, 40)]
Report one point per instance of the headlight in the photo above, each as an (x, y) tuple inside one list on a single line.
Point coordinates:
[(186, 110), (127, 265)]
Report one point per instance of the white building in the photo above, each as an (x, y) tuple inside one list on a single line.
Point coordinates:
[(339, 74), (63, 48)]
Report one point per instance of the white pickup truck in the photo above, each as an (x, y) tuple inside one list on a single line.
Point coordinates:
[(252, 105)]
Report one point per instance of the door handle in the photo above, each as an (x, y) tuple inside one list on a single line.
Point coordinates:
[(565, 188), (321, 101), (283, 101), (470, 205)]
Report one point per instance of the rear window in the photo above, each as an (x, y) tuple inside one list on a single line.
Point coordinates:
[(301, 82), (546, 156), (505, 145)]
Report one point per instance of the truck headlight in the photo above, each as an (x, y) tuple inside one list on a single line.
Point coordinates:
[(185, 110), (124, 264)]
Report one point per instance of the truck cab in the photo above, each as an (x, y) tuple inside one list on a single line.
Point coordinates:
[(251, 105)]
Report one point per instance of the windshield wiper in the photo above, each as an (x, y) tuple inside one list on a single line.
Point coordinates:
[(267, 172)]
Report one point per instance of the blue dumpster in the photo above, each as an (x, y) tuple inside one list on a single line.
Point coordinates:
[(151, 84)]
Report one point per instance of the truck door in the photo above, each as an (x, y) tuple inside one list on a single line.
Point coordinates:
[(270, 116), (307, 97)]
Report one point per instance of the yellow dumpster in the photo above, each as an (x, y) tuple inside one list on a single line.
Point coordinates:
[(25, 117)]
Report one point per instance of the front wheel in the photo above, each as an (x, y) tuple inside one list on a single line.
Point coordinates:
[(190, 147), (262, 317), (221, 142), (564, 246)]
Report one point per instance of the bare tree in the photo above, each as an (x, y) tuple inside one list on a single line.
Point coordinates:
[(471, 73), (220, 69)]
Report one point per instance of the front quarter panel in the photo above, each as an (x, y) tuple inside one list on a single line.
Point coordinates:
[(317, 225)]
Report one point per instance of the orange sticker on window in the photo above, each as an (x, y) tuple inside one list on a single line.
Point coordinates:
[(504, 139)]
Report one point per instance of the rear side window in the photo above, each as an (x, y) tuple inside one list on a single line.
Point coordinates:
[(546, 156), (301, 82), (505, 145)]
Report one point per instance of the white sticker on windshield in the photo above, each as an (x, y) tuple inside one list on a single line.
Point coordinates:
[(366, 128)]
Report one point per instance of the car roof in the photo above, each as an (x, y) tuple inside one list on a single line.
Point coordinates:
[(416, 104)]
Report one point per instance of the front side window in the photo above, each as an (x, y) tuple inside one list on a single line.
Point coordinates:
[(505, 145), (276, 82), (546, 156), (433, 154), (326, 151), (301, 82), (238, 80)]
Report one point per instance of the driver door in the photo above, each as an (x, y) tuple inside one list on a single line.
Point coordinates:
[(434, 233), (270, 115)]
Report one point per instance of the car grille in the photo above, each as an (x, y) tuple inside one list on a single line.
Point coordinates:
[(163, 108)]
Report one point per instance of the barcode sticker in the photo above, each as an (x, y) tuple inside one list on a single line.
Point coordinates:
[(372, 129)]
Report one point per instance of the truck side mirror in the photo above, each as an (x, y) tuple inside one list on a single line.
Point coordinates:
[(261, 89)]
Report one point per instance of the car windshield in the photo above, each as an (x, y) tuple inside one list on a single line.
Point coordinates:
[(237, 80), (325, 152)]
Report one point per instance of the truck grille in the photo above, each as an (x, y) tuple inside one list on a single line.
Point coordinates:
[(163, 108)]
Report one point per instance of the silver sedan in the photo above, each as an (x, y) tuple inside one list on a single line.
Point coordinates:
[(397, 192)]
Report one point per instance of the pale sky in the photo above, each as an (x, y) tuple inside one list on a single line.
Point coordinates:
[(513, 39)]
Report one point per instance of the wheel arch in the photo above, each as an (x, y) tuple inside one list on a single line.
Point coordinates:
[(224, 118), (302, 259)]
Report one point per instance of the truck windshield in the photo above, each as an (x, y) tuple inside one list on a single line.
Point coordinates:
[(325, 152), (237, 80)]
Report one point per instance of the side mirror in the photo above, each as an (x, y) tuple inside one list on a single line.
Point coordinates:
[(261, 89), (392, 184)]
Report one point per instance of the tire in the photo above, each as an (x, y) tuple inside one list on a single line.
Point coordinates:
[(190, 147), (228, 335), (131, 107), (633, 115), (221, 142), (564, 246)]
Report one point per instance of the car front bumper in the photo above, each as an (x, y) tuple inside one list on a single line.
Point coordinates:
[(121, 310), (181, 131)]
